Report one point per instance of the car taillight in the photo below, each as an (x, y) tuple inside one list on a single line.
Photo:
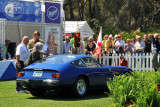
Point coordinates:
[(20, 74), (55, 75)]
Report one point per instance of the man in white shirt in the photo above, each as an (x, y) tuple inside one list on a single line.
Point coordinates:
[(119, 45), (139, 45), (22, 53), (67, 46)]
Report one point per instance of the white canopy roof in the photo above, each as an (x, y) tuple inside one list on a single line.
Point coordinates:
[(78, 26)]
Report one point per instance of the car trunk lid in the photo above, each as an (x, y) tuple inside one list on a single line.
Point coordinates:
[(41, 70), (39, 66)]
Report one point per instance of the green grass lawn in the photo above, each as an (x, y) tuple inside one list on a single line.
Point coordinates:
[(9, 98)]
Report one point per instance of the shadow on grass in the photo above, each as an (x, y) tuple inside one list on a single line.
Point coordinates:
[(8, 80), (92, 94)]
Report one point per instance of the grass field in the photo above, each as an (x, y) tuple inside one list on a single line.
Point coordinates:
[(9, 98)]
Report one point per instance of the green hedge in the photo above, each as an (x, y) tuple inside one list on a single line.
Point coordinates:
[(136, 90)]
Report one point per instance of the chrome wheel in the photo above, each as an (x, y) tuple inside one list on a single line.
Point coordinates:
[(81, 87)]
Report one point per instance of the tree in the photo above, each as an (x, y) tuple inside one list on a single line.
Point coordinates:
[(125, 15)]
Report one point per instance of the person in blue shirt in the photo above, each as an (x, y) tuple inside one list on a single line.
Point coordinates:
[(67, 47)]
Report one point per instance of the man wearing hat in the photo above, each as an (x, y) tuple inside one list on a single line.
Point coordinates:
[(119, 45), (67, 46)]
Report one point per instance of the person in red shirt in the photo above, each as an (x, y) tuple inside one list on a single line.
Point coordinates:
[(123, 61)]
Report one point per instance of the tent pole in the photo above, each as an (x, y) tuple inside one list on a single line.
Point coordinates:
[(42, 3), (64, 28)]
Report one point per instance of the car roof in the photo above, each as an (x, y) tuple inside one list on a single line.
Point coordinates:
[(75, 55)]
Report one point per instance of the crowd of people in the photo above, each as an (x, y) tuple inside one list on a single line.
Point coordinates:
[(149, 44), (111, 45)]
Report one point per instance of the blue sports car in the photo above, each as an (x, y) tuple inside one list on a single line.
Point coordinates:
[(75, 72)]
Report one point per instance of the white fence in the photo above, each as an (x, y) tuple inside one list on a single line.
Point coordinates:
[(141, 62)]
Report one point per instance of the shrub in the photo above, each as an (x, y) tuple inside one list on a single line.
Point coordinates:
[(136, 89)]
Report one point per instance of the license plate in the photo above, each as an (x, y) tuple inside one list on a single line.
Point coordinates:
[(37, 73)]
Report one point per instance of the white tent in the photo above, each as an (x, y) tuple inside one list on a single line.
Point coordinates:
[(78, 26)]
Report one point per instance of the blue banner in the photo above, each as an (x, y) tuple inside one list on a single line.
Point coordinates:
[(20, 10), (52, 13)]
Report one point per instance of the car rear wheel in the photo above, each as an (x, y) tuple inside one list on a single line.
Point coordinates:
[(80, 87)]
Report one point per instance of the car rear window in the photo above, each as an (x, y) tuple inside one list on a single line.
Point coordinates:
[(57, 59)]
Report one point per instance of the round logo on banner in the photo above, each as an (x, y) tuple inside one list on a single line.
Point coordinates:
[(52, 13), (13, 10)]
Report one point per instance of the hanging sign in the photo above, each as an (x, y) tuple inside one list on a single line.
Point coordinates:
[(52, 13), (20, 10)]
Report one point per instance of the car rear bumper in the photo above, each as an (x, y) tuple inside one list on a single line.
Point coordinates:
[(34, 83)]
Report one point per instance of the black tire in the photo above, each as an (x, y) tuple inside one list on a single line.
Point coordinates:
[(80, 87), (36, 93)]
